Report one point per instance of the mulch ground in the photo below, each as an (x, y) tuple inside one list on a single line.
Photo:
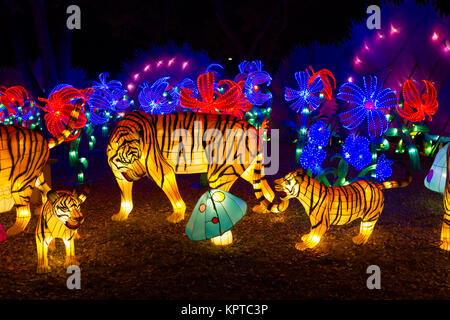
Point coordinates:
[(147, 257)]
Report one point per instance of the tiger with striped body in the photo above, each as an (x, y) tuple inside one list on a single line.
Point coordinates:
[(327, 206), (445, 233), (144, 145), (60, 219), (23, 154)]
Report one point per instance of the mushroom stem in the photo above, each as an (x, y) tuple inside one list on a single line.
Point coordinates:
[(224, 239)]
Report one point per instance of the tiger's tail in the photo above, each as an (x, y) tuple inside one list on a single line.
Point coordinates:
[(53, 142), (265, 205), (398, 184)]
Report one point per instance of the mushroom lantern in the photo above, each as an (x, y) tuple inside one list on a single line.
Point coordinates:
[(214, 215)]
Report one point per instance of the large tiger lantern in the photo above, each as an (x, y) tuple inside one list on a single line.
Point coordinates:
[(161, 146), (60, 219), (23, 154), (327, 206)]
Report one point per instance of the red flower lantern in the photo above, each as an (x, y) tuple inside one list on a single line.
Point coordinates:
[(324, 74), (59, 106), (212, 100), (416, 106)]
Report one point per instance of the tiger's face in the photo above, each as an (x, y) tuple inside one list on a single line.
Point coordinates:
[(66, 207), (124, 158), (288, 186)]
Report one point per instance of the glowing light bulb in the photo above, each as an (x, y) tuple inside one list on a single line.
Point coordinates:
[(130, 86), (357, 60), (350, 79), (171, 61), (147, 67), (435, 36), (185, 65), (136, 76), (255, 87), (159, 63), (393, 29)]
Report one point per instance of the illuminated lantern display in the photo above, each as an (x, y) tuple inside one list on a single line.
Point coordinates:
[(356, 151), (416, 106), (308, 93), (59, 106), (154, 99), (436, 177), (445, 233), (60, 219), (327, 206), (161, 146), (214, 100), (214, 215), (3, 235), (23, 154), (369, 101)]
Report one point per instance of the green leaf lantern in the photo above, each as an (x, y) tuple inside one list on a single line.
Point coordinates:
[(214, 215)]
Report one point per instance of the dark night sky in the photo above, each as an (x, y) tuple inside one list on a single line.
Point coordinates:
[(113, 30)]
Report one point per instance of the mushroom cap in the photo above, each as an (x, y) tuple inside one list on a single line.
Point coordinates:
[(215, 213), (436, 177)]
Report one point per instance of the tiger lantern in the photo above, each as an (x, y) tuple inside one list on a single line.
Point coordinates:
[(327, 206), (148, 145), (60, 219)]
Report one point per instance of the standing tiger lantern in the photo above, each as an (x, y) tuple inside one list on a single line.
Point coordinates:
[(60, 219), (327, 206), (23, 154), (149, 145)]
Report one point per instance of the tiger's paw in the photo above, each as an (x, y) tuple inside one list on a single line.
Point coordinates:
[(302, 246), (360, 239), (71, 262), (176, 217), (260, 209), (119, 217), (445, 245), (43, 269)]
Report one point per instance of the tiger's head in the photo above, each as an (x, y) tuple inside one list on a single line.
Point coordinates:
[(124, 156), (65, 207), (288, 186)]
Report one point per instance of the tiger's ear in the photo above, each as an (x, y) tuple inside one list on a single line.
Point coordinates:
[(52, 196), (83, 194), (299, 172), (75, 193)]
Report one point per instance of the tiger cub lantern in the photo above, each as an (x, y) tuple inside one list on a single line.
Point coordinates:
[(327, 206), (214, 215), (160, 146), (60, 219)]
